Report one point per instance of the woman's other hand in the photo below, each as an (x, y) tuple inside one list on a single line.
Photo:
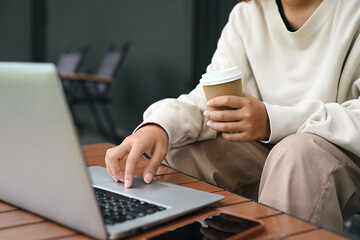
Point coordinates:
[(246, 121)]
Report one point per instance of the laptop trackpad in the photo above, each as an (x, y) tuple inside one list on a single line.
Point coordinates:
[(100, 176), (156, 190)]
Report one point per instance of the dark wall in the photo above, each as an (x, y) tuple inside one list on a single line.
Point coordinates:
[(15, 38), (209, 21), (172, 43), (159, 63)]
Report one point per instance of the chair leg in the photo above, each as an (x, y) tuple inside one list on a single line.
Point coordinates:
[(75, 117), (69, 91), (91, 104), (112, 126)]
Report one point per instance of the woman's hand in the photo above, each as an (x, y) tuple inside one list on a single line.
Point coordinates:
[(247, 121), (150, 139)]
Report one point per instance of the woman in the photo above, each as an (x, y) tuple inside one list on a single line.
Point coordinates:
[(292, 141)]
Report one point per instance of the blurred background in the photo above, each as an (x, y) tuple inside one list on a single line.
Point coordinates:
[(172, 42)]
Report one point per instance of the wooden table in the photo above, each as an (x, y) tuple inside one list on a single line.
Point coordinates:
[(19, 224)]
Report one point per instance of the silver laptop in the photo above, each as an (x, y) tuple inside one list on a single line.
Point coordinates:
[(42, 168)]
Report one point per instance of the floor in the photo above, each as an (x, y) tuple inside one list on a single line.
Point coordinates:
[(86, 136), (89, 135)]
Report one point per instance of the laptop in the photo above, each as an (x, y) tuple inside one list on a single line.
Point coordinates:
[(43, 170)]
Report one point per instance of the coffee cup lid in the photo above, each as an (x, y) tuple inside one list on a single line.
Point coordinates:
[(220, 77)]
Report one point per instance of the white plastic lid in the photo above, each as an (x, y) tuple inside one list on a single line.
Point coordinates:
[(220, 77)]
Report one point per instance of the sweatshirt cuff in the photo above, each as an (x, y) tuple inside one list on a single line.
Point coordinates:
[(157, 121), (283, 121)]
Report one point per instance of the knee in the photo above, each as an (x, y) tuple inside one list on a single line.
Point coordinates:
[(297, 145), (299, 142), (296, 150)]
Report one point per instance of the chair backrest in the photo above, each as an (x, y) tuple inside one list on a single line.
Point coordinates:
[(110, 66), (70, 61), (112, 61)]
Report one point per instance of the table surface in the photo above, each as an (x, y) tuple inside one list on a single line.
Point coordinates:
[(19, 224)]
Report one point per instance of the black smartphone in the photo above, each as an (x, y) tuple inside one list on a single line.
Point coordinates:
[(215, 227)]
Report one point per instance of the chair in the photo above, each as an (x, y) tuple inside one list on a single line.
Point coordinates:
[(69, 62), (94, 89)]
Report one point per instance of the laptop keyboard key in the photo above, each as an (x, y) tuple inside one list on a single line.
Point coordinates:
[(117, 208)]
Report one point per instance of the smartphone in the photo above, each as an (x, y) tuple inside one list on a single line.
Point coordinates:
[(218, 226)]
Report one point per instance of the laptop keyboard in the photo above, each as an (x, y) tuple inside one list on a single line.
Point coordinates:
[(117, 208)]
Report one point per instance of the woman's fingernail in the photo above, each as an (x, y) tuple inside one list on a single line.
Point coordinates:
[(121, 179), (120, 176), (115, 179), (127, 183), (148, 177)]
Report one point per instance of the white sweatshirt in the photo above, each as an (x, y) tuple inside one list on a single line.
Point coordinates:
[(309, 80)]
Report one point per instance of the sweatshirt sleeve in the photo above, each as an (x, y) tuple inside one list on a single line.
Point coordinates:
[(181, 118), (335, 122)]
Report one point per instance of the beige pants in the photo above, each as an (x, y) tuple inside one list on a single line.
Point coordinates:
[(303, 175)]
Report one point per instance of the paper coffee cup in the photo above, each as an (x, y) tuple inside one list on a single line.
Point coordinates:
[(222, 83)]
